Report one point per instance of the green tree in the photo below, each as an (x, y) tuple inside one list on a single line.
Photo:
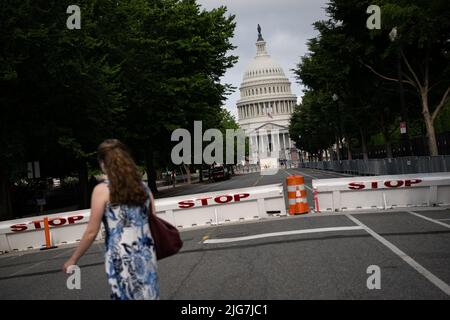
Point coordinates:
[(422, 31), (59, 93), (181, 53)]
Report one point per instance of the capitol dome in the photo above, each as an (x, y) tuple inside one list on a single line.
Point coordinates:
[(266, 105)]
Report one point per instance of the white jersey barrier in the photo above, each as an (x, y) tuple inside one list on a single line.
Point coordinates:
[(382, 192), (28, 233), (184, 211), (222, 206)]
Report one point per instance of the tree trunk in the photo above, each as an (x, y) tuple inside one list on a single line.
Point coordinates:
[(330, 154), (319, 156), (387, 143), (388, 148), (364, 144), (338, 151), (151, 172), (349, 149), (200, 177), (387, 139), (188, 173), (83, 185), (5, 197), (431, 136)]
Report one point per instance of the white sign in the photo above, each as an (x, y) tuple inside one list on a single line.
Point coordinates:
[(34, 170), (402, 127)]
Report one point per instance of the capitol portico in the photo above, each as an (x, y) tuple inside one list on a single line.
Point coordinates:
[(265, 107)]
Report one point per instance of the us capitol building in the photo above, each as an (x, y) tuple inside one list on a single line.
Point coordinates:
[(265, 107)]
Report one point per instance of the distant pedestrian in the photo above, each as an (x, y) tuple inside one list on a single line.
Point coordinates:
[(122, 202), (174, 177)]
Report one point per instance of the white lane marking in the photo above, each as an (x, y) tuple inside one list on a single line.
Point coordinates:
[(337, 174), (288, 174), (429, 219), (308, 175), (9, 258), (283, 233), (419, 268), (38, 263), (443, 219)]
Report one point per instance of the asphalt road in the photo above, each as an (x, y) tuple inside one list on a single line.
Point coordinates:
[(313, 256)]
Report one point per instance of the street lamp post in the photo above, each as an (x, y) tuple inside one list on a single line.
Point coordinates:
[(335, 98), (393, 36)]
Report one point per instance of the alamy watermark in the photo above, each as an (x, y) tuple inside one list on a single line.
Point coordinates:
[(211, 147), (74, 20), (74, 280), (374, 280), (374, 20)]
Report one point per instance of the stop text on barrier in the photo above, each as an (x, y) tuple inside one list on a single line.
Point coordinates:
[(205, 201), (39, 224), (383, 184)]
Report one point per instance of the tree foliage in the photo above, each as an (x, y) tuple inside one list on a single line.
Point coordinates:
[(362, 67), (136, 70)]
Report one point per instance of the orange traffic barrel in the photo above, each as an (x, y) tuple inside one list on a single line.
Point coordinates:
[(297, 201)]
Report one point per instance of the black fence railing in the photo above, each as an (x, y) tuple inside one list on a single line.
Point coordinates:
[(418, 146), (387, 166)]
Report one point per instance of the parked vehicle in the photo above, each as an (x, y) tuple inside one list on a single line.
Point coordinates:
[(221, 172)]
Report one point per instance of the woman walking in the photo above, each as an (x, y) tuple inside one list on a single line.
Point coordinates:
[(122, 203)]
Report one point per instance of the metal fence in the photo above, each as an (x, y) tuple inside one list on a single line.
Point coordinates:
[(402, 165)]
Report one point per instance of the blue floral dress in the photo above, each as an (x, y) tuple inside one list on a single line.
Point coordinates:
[(130, 257)]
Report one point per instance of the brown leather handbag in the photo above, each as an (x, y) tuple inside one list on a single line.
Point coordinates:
[(165, 236)]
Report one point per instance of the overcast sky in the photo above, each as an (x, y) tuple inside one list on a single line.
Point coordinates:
[(286, 26)]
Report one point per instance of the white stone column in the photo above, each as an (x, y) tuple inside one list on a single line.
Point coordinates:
[(279, 144), (261, 149), (256, 151), (251, 154), (275, 146), (251, 145)]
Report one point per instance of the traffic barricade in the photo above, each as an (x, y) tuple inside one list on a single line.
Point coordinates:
[(187, 211), (382, 192)]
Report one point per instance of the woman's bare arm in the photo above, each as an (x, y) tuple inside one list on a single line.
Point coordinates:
[(153, 203), (100, 197)]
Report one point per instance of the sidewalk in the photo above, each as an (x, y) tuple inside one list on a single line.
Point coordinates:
[(165, 191)]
